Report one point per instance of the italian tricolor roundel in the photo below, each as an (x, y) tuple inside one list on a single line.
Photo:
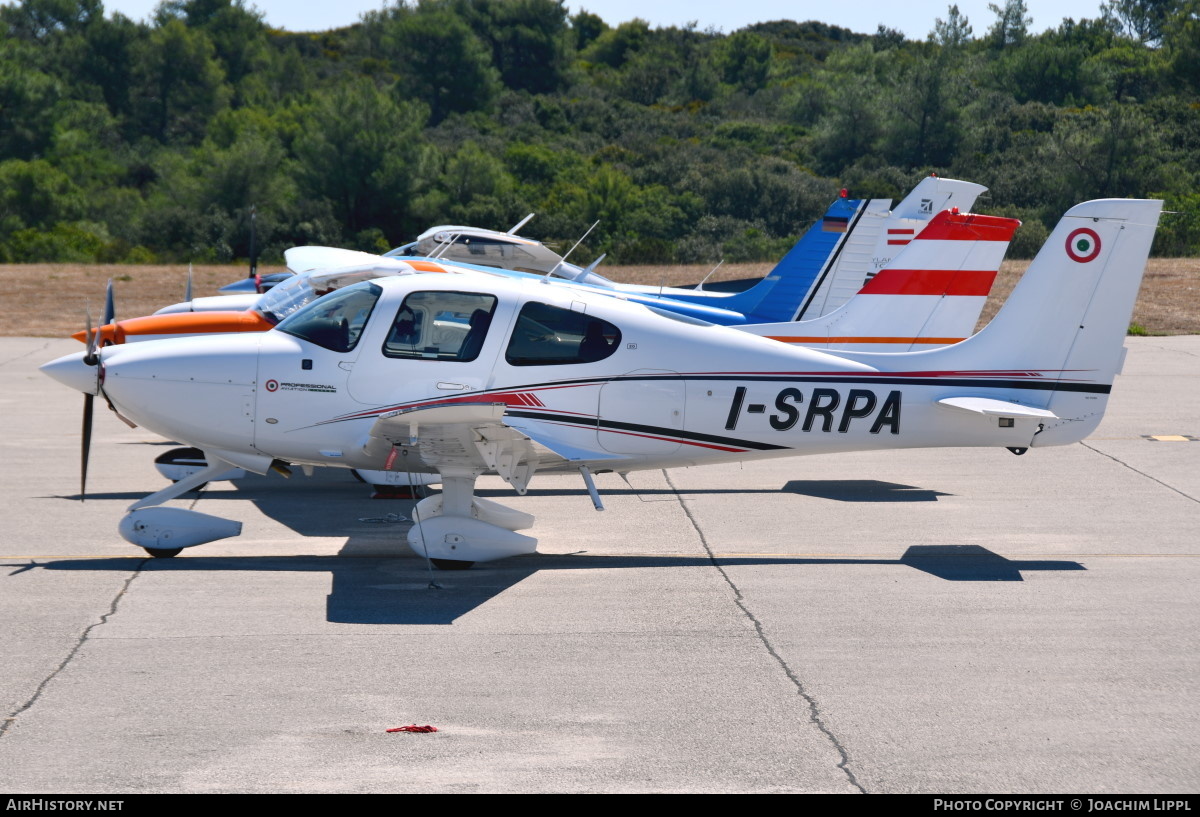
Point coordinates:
[(1083, 245)]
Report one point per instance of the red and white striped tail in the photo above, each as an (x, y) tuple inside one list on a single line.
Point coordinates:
[(931, 294), (956, 254)]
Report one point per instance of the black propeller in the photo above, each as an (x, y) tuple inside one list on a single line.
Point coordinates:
[(93, 358)]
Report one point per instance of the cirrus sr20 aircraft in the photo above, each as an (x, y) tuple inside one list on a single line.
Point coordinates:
[(471, 374)]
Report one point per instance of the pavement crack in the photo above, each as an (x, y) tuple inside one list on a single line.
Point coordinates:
[(1119, 461), (79, 642), (1162, 348), (814, 711), (45, 345)]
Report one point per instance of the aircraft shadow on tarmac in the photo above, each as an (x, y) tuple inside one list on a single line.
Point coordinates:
[(377, 580), (401, 589)]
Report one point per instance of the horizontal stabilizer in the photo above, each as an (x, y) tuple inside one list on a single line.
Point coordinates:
[(353, 273), (306, 259), (996, 408)]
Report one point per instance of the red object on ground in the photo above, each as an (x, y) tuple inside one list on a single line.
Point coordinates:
[(414, 728)]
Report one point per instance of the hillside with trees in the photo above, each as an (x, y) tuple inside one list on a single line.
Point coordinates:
[(131, 142)]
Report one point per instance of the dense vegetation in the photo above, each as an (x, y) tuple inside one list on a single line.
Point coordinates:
[(141, 141)]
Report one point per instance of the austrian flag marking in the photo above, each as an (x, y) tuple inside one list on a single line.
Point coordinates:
[(1083, 245)]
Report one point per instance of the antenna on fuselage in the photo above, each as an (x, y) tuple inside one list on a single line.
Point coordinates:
[(520, 224), (700, 286), (563, 260), (590, 267), (254, 249), (446, 245)]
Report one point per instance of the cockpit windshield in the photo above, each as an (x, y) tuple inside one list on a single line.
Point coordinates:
[(283, 299), (335, 321)]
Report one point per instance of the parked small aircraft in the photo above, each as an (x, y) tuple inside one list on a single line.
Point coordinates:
[(832, 261), (930, 294), (471, 374), (829, 264)]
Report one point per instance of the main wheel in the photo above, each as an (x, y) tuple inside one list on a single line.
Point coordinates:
[(163, 553), (451, 564)]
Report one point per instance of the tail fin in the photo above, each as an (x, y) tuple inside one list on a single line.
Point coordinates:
[(1061, 331), (930, 295), (879, 236), (831, 261), (1072, 308), (933, 195), (779, 295)]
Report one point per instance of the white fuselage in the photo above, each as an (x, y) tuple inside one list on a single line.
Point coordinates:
[(674, 392)]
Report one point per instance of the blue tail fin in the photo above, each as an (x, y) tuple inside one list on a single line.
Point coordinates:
[(778, 296)]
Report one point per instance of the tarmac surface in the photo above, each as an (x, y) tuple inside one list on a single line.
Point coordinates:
[(945, 621)]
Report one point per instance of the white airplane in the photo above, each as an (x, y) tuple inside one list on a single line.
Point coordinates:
[(930, 295), (464, 376), (827, 266)]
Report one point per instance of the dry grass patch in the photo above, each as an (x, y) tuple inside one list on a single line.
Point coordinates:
[(47, 300)]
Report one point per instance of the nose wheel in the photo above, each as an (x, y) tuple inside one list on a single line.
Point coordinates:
[(163, 553)]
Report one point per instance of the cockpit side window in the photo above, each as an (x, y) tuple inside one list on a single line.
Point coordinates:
[(336, 321), (548, 335), (282, 300), (440, 326)]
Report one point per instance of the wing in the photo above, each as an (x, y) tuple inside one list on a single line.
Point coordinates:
[(467, 437)]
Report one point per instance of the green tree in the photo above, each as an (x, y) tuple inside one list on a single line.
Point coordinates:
[(616, 45), (27, 97), (1050, 69), (1011, 26), (41, 20), (1140, 20), (362, 151), (108, 61), (851, 126), (587, 28), (953, 32), (439, 58), (529, 39), (1181, 44), (178, 83), (744, 60)]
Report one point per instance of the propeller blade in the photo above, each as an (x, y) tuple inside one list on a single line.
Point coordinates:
[(110, 310), (90, 357), (187, 293), (88, 401)]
